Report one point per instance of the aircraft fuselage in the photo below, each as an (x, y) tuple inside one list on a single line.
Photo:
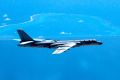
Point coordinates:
[(61, 45), (56, 44)]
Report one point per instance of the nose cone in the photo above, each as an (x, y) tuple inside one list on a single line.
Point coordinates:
[(100, 43)]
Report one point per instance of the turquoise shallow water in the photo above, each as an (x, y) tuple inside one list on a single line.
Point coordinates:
[(61, 25)]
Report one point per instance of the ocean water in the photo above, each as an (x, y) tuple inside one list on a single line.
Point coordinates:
[(84, 63), (60, 20)]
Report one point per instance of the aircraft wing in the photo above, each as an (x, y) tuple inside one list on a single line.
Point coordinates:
[(64, 48)]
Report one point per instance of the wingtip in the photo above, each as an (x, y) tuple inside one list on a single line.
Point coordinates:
[(55, 53), (19, 29)]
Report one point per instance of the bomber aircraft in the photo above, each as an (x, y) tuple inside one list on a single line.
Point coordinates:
[(61, 45)]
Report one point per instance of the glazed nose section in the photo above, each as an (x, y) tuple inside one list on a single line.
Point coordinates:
[(100, 43)]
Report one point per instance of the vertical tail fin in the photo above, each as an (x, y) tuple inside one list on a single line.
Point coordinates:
[(24, 36)]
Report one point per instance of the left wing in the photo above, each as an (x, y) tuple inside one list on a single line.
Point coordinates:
[(64, 48)]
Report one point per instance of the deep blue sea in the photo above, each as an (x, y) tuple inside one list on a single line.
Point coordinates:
[(60, 20)]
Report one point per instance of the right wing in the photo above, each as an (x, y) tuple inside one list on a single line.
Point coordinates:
[(64, 48)]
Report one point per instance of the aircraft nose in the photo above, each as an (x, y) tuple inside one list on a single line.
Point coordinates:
[(100, 43)]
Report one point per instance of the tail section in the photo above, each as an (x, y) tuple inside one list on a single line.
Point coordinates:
[(24, 36)]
